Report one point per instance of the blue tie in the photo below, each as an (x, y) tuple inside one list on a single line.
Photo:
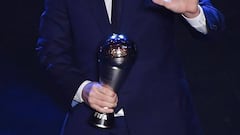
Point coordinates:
[(115, 16)]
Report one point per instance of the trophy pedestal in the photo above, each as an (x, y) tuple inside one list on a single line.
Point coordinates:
[(102, 120)]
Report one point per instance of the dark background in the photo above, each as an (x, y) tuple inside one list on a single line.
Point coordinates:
[(212, 68)]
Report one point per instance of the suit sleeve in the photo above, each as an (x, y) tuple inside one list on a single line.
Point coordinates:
[(55, 49), (214, 20)]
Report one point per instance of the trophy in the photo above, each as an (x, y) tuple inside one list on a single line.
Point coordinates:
[(115, 57)]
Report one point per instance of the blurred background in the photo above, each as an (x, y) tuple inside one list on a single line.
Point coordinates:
[(26, 107)]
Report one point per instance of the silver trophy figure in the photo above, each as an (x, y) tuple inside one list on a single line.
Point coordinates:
[(116, 57)]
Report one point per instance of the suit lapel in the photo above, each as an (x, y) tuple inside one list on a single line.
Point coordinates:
[(99, 13)]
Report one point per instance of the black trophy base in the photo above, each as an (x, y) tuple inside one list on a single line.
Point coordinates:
[(102, 120)]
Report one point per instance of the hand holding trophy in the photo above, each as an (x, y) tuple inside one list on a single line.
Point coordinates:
[(116, 57)]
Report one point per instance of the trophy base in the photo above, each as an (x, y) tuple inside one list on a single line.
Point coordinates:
[(101, 126), (102, 120)]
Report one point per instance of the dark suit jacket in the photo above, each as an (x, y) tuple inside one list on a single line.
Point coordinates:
[(155, 96)]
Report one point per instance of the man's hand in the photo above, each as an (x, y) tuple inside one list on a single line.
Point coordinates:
[(188, 8), (100, 97)]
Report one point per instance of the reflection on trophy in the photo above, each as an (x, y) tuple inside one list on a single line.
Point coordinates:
[(116, 56)]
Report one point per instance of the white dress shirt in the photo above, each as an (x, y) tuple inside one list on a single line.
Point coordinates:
[(198, 22)]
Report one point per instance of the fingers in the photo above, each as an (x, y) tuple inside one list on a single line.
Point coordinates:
[(179, 6), (161, 2), (101, 109), (100, 97), (106, 90)]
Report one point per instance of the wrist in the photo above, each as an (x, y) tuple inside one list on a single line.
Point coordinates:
[(79, 94), (193, 13)]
